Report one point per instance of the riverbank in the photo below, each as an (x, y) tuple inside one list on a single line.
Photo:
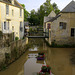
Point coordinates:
[(54, 45), (16, 50), (17, 67)]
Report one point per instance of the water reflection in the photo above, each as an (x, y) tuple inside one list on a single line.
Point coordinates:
[(35, 48), (59, 60), (32, 65)]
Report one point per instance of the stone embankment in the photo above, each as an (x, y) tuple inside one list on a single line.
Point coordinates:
[(12, 52)]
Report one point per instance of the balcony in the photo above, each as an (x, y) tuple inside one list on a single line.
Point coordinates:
[(8, 18), (7, 31)]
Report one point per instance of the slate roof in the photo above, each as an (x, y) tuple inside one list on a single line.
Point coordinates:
[(46, 19), (69, 8), (54, 18), (15, 3)]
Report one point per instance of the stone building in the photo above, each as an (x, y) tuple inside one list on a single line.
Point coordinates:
[(63, 26), (12, 18)]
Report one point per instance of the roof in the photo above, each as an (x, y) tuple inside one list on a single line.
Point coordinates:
[(16, 3), (54, 18), (46, 19), (52, 14), (70, 7)]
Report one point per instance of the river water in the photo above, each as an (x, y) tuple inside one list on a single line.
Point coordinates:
[(57, 58)]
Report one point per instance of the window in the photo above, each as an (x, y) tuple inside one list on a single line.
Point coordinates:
[(20, 24), (21, 28), (12, 27), (72, 32), (62, 25), (48, 26), (12, 12), (20, 12), (4, 25), (7, 9)]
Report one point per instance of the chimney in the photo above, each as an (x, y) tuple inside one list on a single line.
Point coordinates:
[(12, 1)]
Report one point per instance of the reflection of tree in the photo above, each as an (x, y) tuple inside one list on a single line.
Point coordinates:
[(37, 42)]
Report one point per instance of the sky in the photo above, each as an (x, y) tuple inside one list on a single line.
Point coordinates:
[(35, 4)]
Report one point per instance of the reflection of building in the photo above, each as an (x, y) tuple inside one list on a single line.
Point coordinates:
[(11, 18), (63, 26)]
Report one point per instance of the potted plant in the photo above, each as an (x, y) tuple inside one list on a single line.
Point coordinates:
[(44, 68)]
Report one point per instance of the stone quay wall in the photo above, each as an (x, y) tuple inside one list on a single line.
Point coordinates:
[(13, 52)]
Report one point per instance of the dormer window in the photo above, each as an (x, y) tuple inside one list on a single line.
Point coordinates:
[(7, 9), (20, 12)]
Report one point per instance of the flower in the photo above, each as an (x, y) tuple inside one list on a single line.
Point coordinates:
[(47, 66)]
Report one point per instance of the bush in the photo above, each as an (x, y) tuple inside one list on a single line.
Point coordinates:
[(30, 30), (16, 38), (7, 56), (2, 66), (16, 53)]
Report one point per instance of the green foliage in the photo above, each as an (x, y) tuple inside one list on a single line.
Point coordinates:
[(16, 38), (30, 30), (55, 8), (2, 66), (34, 20), (37, 18), (26, 13), (7, 57), (16, 53)]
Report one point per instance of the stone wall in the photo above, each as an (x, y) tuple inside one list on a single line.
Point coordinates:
[(63, 36), (5, 39), (15, 50)]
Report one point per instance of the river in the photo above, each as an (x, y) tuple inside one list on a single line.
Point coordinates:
[(57, 58)]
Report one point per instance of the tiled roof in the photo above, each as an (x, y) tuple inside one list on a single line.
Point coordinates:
[(15, 3), (70, 7)]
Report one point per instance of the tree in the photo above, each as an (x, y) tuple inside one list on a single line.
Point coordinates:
[(26, 13), (34, 20), (44, 10), (55, 8)]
